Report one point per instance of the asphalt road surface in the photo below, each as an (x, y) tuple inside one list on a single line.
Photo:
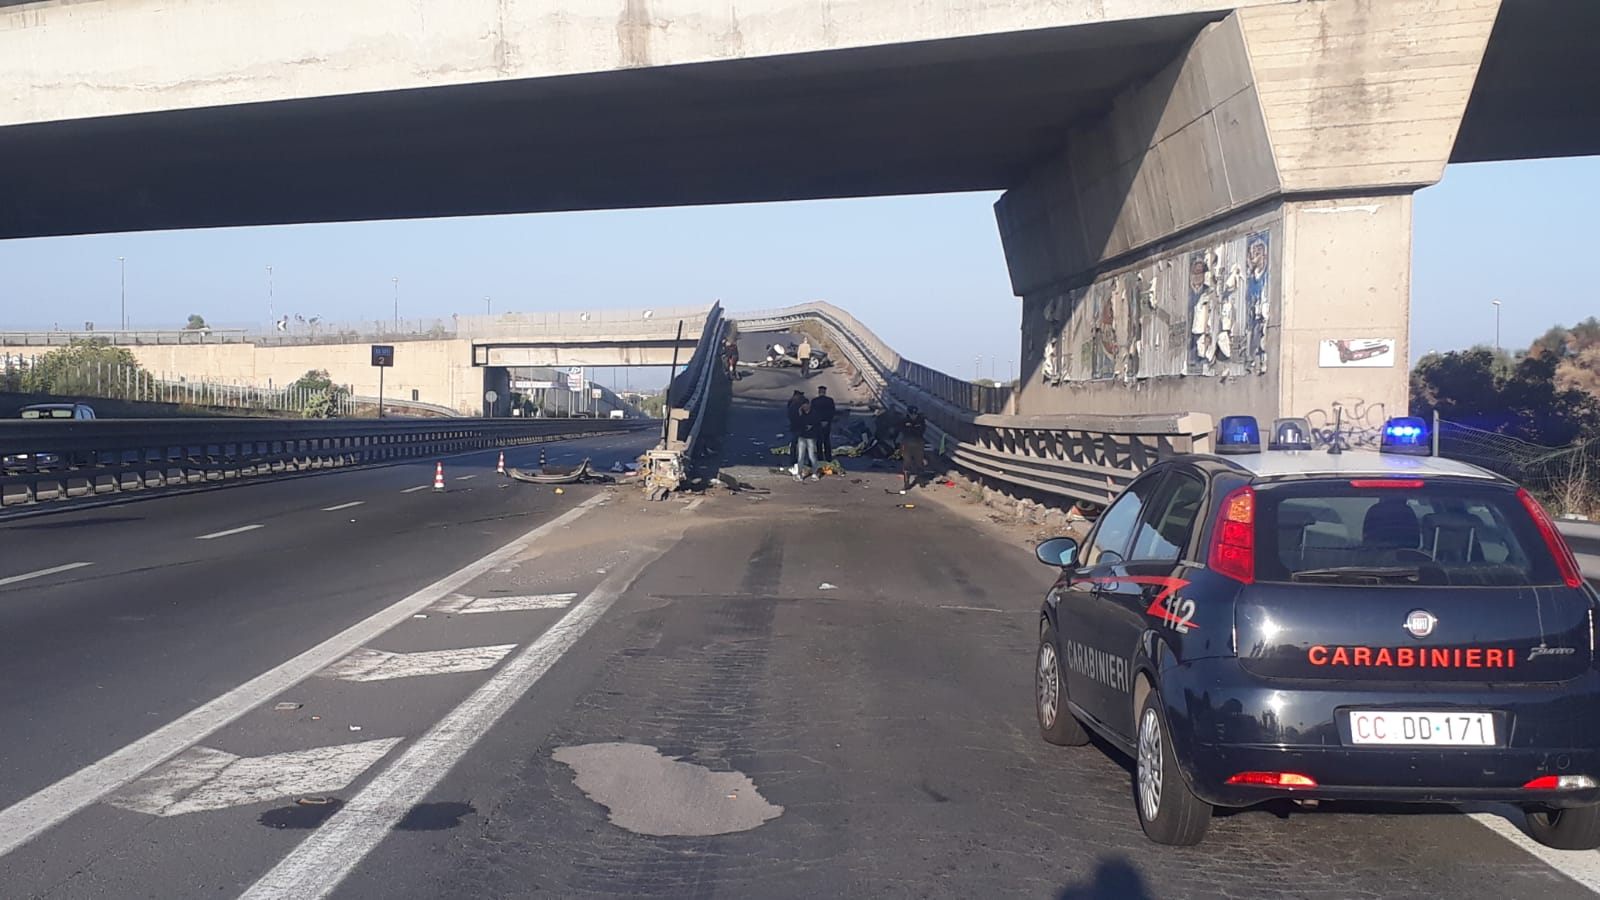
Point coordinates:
[(801, 690)]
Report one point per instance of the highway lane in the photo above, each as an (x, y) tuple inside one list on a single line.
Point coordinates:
[(92, 658)]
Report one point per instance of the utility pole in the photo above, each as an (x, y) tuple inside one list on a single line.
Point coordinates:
[(122, 261), (1496, 328)]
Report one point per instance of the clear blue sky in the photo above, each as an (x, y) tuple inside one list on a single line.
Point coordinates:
[(926, 273)]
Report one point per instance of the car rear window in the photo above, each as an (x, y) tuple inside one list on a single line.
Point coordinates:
[(47, 414), (1442, 533)]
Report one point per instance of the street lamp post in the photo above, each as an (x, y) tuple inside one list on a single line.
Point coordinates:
[(486, 307), (396, 280), (272, 314), (1496, 327), (122, 263)]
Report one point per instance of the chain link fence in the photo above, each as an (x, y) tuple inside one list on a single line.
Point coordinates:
[(1566, 479)]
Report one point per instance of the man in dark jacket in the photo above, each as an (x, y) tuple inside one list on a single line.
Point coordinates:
[(823, 409), (796, 421), (913, 428)]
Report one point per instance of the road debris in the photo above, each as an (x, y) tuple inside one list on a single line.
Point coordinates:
[(287, 706), (825, 586)]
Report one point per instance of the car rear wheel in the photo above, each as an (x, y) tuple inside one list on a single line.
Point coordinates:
[(1169, 812), (1056, 722), (1574, 828)]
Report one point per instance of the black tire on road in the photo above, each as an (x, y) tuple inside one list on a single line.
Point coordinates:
[(1056, 722), (1574, 828), (1168, 811)]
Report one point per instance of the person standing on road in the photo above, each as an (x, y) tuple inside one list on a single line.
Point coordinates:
[(796, 401), (806, 444), (803, 353), (730, 354), (823, 409), (913, 427)]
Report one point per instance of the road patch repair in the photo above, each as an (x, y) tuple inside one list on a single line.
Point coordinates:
[(648, 793)]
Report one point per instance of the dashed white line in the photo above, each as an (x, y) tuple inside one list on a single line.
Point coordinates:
[(53, 570), (973, 608), (39, 812), (343, 506), (320, 862), (694, 504), (231, 531), (413, 490), (465, 477)]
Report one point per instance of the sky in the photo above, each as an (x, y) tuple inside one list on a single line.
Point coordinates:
[(926, 273)]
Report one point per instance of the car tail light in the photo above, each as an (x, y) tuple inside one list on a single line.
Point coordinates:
[(1560, 783), (1233, 541), (1566, 563), (1412, 483), (1273, 779)]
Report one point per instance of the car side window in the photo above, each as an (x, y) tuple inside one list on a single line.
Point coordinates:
[(1165, 530), (1119, 521)]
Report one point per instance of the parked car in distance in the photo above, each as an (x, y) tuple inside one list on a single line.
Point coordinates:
[(46, 412)]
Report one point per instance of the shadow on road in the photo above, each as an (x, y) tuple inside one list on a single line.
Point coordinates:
[(1112, 880)]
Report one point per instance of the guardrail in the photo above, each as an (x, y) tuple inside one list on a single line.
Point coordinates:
[(692, 388), (111, 456), (1078, 457)]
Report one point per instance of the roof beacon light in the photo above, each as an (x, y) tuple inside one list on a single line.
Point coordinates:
[(1290, 434), (1238, 434), (1406, 435)]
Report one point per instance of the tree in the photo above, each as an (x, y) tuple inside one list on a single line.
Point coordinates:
[(1472, 388), (319, 396), (196, 323), (90, 367)]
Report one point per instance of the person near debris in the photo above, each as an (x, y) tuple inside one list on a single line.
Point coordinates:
[(803, 353), (913, 427), (805, 460), (731, 357), (823, 409), (885, 431), (796, 401)]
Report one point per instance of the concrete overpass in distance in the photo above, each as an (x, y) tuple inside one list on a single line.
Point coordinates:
[(451, 370), (1207, 202)]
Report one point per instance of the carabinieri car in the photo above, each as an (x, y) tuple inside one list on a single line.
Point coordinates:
[(1314, 625)]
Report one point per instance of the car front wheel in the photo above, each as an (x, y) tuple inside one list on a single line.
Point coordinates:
[(1169, 812), (1574, 828), (1056, 723)]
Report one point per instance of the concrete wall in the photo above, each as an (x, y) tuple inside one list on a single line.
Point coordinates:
[(1241, 141), (439, 371)]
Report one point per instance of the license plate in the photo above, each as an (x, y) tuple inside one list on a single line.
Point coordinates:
[(1432, 729)]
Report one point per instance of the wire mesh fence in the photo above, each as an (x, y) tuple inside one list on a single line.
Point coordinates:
[(113, 381), (1566, 479)]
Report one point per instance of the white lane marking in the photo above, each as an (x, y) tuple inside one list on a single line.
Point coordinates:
[(420, 487), (461, 603), (694, 504), (219, 534), (973, 608), (367, 664), (53, 570), (343, 506), (317, 865), (465, 477), (28, 818), (204, 779), (1584, 868)]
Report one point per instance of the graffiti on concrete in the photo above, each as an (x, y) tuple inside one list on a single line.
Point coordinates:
[(1359, 423), (1201, 311)]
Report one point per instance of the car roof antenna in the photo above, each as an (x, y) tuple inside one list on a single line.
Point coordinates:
[(1337, 443)]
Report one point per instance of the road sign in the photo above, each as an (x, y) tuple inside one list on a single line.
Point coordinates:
[(383, 355), (490, 396), (595, 393)]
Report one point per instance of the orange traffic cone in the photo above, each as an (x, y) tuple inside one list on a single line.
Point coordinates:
[(438, 476), (500, 467)]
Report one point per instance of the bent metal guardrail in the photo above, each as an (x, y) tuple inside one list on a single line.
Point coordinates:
[(1079, 457), (112, 456)]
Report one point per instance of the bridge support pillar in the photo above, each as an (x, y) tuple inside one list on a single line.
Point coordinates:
[(1234, 234)]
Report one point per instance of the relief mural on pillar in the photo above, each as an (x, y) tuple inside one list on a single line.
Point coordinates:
[(1199, 312)]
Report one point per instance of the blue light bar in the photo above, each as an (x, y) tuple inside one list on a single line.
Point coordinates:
[(1290, 434), (1406, 435), (1238, 434)]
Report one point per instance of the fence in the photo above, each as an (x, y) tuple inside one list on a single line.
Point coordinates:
[(1565, 478), (131, 383)]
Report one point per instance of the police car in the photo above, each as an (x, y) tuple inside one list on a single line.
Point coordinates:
[(1314, 625)]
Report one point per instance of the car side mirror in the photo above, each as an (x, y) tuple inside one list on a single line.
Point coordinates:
[(1058, 551)]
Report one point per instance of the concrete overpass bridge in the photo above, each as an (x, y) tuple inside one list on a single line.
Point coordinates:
[(1204, 201)]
